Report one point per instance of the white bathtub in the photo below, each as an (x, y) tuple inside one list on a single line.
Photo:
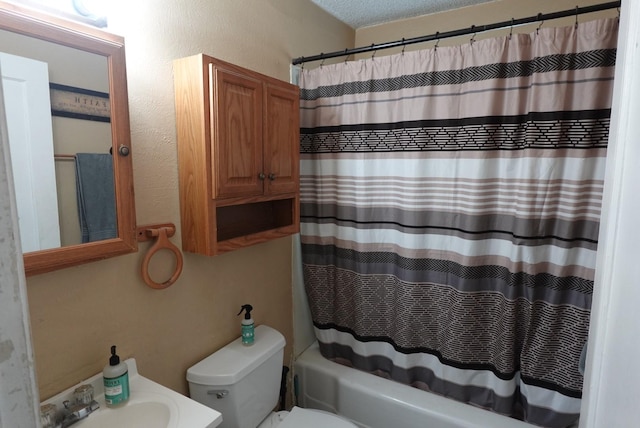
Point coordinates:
[(373, 402)]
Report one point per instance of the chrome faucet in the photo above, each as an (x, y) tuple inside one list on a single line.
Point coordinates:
[(73, 413)]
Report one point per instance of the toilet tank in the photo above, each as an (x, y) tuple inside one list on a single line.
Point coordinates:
[(241, 382)]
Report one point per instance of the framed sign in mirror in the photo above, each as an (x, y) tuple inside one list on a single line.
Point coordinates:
[(65, 94)]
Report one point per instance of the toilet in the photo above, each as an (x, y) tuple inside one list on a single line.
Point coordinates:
[(243, 383)]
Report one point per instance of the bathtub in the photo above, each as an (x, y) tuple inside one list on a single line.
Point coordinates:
[(373, 402)]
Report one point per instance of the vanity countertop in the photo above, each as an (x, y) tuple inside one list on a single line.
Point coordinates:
[(148, 399)]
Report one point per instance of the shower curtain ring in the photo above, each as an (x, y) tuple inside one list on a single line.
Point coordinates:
[(473, 38), (576, 17), (511, 30), (374, 51), (435, 47), (403, 47), (541, 22)]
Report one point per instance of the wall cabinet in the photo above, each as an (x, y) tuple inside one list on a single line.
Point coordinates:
[(238, 155)]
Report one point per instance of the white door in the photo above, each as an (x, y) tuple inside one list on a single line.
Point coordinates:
[(28, 108)]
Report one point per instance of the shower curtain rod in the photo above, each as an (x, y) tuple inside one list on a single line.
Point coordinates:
[(471, 30)]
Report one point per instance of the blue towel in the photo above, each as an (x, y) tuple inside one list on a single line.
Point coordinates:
[(96, 196)]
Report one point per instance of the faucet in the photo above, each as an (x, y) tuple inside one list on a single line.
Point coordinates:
[(76, 412)]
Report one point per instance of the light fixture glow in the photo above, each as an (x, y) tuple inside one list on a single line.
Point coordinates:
[(92, 9)]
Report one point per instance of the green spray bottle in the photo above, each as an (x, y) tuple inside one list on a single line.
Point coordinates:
[(247, 325)]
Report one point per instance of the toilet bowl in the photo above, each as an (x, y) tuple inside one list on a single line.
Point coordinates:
[(243, 383)]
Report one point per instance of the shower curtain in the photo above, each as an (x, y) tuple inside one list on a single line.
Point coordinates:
[(450, 201)]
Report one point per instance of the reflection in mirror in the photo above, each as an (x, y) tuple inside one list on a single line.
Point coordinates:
[(49, 121), (65, 95), (25, 88)]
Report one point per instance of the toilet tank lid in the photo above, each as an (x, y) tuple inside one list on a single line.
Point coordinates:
[(234, 361)]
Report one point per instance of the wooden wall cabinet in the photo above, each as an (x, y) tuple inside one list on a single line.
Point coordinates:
[(238, 152)]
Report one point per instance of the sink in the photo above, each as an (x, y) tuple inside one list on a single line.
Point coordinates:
[(152, 414), (150, 405)]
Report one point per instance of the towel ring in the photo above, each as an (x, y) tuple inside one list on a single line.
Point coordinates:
[(162, 242)]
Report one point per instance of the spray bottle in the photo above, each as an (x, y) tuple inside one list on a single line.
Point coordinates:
[(247, 325)]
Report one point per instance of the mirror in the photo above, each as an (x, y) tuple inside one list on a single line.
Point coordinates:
[(65, 95)]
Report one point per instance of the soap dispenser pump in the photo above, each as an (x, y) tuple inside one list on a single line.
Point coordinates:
[(247, 325)]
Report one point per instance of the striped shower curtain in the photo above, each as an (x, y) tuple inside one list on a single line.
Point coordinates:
[(450, 204)]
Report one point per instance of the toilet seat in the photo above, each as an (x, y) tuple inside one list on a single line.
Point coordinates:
[(312, 418)]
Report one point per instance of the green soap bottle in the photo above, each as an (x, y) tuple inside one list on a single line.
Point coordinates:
[(116, 381)]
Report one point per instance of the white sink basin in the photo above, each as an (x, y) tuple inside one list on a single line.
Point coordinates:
[(150, 405), (151, 414)]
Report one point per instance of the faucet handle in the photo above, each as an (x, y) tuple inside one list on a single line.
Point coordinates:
[(83, 394), (48, 415)]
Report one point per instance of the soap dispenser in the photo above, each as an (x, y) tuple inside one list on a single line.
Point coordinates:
[(247, 325), (116, 381)]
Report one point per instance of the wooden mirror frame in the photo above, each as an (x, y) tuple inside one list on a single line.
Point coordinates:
[(28, 22)]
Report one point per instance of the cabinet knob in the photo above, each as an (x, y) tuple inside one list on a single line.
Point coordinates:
[(261, 176), (272, 176), (123, 150)]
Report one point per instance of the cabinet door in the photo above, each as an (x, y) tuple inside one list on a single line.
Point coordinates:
[(236, 155), (282, 138)]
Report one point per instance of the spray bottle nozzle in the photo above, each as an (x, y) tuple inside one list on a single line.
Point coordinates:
[(248, 309)]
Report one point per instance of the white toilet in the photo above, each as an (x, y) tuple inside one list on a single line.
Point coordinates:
[(243, 383)]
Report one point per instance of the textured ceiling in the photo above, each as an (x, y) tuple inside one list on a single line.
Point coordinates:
[(363, 13)]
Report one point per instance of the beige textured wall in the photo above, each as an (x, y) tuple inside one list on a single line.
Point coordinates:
[(486, 13), (77, 313)]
